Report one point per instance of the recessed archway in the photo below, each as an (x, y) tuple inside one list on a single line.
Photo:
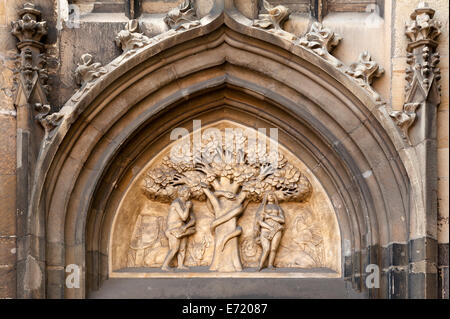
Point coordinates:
[(235, 73), (137, 239)]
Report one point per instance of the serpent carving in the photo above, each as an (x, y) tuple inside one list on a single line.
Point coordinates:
[(227, 206)]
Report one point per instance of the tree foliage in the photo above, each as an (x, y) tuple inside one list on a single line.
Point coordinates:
[(241, 165)]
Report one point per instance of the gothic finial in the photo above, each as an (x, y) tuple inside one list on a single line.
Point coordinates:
[(31, 63), (423, 28), (28, 30), (422, 72)]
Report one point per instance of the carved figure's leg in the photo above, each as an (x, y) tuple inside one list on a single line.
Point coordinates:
[(265, 244), (273, 248), (182, 253), (174, 245)]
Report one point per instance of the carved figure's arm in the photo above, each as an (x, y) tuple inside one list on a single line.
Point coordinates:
[(191, 222), (241, 197), (183, 213), (278, 219), (265, 225)]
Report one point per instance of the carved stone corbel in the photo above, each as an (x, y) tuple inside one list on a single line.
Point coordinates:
[(364, 71), (48, 121), (422, 74), (183, 17), (322, 41), (404, 119), (273, 20)]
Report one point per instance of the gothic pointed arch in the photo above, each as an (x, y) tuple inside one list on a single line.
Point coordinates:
[(220, 68)]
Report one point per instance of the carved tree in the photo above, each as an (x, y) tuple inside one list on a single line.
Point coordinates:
[(227, 178)]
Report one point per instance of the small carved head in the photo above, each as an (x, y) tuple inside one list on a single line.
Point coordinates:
[(184, 192), (271, 197)]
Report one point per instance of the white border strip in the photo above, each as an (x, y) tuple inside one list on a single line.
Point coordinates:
[(222, 275)]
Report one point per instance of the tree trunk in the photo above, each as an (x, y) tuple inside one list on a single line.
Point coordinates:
[(226, 245), (227, 260)]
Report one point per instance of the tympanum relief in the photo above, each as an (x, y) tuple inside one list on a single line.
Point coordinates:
[(222, 208)]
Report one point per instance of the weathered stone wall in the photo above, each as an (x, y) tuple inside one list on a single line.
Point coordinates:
[(381, 34), (401, 11), (10, 236), (7, 156)]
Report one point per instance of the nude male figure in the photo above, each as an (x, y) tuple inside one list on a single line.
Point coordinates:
[(180, 225)]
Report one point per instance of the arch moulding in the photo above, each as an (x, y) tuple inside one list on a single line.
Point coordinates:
[(223, 68)]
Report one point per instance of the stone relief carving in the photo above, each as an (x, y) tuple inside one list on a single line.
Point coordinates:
[(422, 73), (196, 251), (269, 228), (180, 225), (250, 250), (227, 180), (148, 238), (307, 236), (274, 19), (364, 71), (322, 41), (183, 17)]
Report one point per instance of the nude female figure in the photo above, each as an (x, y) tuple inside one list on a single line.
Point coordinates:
[(269, 228)]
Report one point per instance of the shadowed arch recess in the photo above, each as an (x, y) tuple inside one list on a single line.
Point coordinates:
[(219, 71)]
